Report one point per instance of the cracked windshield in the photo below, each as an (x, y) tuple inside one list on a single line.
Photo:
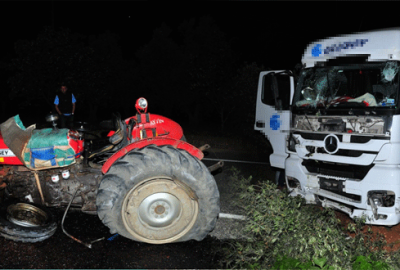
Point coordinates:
[(364, 85)]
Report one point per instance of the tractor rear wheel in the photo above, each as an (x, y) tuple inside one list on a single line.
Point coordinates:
[(159, 195)]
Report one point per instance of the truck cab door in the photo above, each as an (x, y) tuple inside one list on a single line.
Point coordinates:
[(273, 116)]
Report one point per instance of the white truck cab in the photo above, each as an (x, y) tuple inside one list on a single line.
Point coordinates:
[(336, 132)]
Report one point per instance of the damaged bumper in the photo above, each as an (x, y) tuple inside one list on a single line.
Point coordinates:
[(375, 197)]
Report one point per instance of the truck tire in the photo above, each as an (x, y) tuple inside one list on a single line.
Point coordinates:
[(280, 178), (26, 222), (159, 195)]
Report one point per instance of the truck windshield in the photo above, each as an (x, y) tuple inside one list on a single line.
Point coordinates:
[(351, 86)]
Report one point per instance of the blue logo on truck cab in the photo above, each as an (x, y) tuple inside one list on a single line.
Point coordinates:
[(316, 50), (275, 122)]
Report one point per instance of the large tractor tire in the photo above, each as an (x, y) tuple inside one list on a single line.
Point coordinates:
[(159, 195), (26, 222)]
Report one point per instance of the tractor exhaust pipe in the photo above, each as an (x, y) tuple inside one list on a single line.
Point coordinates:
[(204, 147), (216, 166)]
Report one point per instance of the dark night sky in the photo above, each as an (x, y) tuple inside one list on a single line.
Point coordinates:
[(272, 33)]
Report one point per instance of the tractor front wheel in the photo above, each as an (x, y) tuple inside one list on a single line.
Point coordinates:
[(159, 195), (26, 222)]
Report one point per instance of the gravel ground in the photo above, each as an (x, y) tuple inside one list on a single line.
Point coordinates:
[(233, 228)]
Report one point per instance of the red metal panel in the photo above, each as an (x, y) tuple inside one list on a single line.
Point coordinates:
[(75, 143), (5, 157), (153, 141), (163, 126)]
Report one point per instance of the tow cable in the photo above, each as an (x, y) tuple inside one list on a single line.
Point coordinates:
[(237, 161), (232, 216)]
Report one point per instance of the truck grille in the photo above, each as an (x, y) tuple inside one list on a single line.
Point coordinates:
[(353, 138), (340, 152), (355, 172)]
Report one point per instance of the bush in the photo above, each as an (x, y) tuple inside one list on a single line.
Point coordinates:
[(286, 233)]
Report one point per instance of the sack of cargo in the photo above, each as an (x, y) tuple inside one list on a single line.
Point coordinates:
[(16, 136), (41, 148), (49, 148)]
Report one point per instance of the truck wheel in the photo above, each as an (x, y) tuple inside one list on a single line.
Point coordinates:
[(159, 195), (280, 178), (26, 222)]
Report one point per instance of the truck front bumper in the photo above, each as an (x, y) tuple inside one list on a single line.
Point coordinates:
[(353, 196)]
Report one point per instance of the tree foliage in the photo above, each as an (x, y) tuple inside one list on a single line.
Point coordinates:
[(196, 70), (241, 99), (209, 63), (189, 73), (160, 72), (89, 67), (42, 64), (285, 233)]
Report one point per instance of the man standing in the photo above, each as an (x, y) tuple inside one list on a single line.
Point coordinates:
[(65, 106)]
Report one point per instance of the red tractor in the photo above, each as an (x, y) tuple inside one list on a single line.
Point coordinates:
[(148, 184)]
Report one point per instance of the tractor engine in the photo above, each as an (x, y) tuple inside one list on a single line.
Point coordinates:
[(57, 186)]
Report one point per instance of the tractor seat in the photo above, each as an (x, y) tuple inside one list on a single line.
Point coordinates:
[(117, 141)]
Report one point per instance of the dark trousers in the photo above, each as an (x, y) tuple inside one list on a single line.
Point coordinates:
[(66, 121)]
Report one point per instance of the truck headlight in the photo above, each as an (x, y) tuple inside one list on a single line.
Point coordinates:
[(291, 143), (293, 182), (382, 198)]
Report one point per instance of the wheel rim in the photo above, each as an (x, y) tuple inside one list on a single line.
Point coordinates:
[(26, 215), (159, 210)]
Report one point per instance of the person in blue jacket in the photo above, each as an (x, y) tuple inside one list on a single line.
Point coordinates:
[(65, 106)]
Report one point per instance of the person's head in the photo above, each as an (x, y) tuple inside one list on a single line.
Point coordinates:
[(63, 89)]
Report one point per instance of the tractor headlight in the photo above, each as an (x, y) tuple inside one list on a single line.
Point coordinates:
[(143, 103)]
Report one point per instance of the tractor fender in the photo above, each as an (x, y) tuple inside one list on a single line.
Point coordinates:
[(194, 151)]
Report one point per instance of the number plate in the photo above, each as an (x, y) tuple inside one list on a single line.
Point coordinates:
[(6, 153)]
